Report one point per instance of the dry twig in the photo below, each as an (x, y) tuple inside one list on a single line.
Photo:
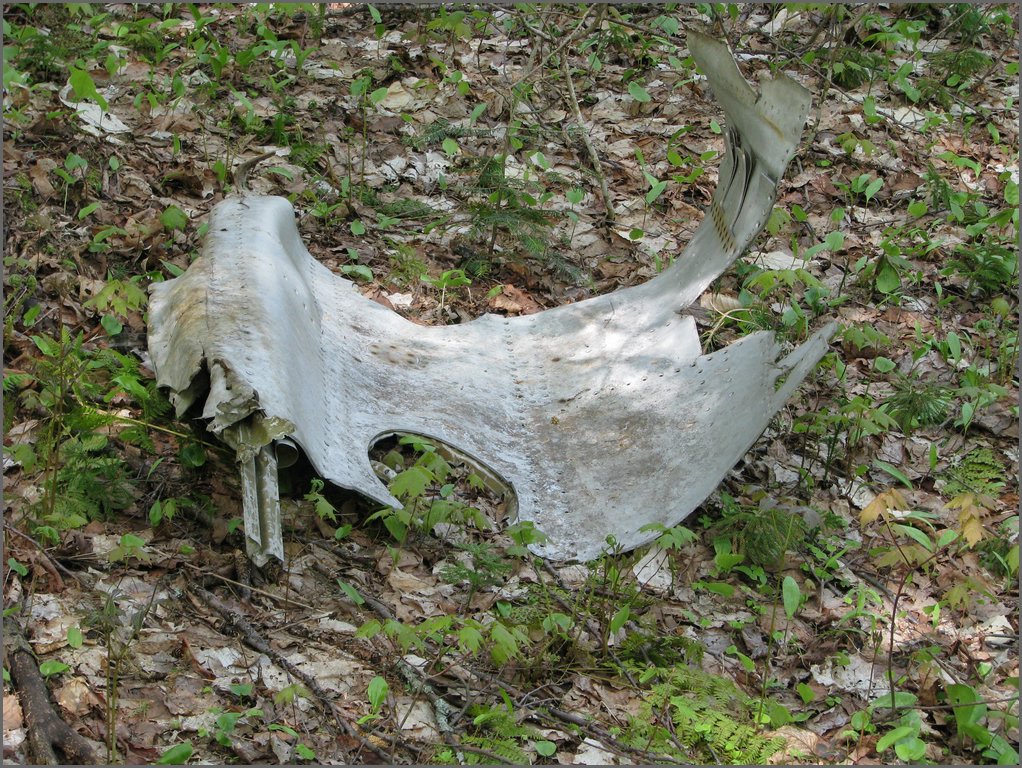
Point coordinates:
[(256, 641)]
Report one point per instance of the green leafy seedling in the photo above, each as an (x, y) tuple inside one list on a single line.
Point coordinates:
[(85, 87), (791, 596), (51, 667), (544, 748), (638, 93), (242, 690), (179, 754), (377, 694), (173, 218), (130, 546), (448, 280)]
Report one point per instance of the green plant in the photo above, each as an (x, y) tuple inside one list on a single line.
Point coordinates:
[(760, 535), (449, 25), (129, 547), (657, 187), (989, 268), (365, 100), (52, 667), (179, 754), (862, 186), (978, 472), (119, 633), (449, 279), (376, 693), (324, 509), (957, 70), (973, 723), (480, 568), (324, 210), (903, 734), (406, 266), (852, 67), (166, 509), (426, 492), (226, 723), (574, 197), (510, 206), (302, 751), (917, 541), (694, 716), (498, 730), (674, 538), (71, 173), (73, 383), (976, 391), (1000, 552), (823, 556), (117, 299), (63, 387), (916, 403), (864, 419)]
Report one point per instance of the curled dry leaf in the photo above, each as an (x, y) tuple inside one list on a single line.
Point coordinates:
[(76, 697), (514, 301)]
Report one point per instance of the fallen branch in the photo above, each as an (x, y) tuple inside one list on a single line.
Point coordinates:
[(51, 566), (256, 641), (286, 601), (48, 734)]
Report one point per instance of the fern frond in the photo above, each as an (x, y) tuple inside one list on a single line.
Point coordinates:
[(711, 717), (506, 748)]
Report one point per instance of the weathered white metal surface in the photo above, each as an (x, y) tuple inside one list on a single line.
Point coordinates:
[(601, 416)]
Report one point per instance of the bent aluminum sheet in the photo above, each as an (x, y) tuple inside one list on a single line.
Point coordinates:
[(601, 416)]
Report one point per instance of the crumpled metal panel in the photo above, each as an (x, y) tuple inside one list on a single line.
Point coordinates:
[(601, 416)]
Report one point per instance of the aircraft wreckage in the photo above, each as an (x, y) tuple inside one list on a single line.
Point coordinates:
[(601, 417)]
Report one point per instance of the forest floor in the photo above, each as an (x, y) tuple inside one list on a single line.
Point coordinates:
[(849, 594)]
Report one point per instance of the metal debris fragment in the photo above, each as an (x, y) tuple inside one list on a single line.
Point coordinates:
[(601, 417)]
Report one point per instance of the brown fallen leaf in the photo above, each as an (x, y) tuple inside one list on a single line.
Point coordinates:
[(721, 303), (612, 269), (407, 583), (76, 697), (40, 173), (514, 301), (799, 743), (12, 712)]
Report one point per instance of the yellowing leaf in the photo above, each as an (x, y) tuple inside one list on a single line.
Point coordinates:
[(970, 516), (906, 554), (972, 529), (884, 502)]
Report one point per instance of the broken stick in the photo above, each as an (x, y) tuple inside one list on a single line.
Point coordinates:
[(48, 734)]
